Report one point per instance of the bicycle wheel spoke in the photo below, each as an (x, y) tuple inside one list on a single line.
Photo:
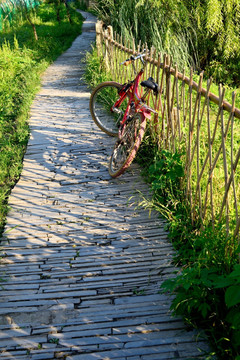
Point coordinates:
[(102, 101), (126, 148)]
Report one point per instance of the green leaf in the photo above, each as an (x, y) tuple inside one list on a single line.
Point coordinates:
[(169, 285), (236, 339), (233, 317), (232, 295), (223, 282), (236, 273), (204, 308)]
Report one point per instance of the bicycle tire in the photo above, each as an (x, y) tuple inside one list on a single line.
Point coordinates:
[(102, 99), (126, 147)]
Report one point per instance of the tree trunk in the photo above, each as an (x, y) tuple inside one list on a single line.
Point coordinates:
[(68, 13), (33, 27)]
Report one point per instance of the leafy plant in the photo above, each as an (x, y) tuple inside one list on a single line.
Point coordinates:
[(206, 298)]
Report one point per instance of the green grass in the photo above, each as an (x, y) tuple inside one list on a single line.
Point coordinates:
[(22, 61)]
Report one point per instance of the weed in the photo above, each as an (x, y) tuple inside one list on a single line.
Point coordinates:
[(54, 341), (45, 277), (138, 292)]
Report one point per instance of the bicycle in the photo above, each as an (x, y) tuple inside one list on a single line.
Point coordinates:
[(120, 110)]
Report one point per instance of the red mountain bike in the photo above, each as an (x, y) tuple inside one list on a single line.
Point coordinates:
[(120, 110)]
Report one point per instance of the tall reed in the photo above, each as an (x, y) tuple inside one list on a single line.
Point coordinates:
[(164, 25)]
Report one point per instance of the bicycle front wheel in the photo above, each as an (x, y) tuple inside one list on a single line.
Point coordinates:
[(102, 99), (127, 146)]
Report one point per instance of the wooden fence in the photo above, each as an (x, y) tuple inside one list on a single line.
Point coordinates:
[(191, 120)]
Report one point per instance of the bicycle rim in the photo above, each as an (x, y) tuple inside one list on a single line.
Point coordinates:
[(103, 97), (126, 148)]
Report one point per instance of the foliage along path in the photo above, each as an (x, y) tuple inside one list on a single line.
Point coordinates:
[(82, 269)]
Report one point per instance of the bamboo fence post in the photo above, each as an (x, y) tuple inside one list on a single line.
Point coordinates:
[(209, 155), (98, 26), (232, 170), (198, 100), (188, 165), (144, 74), (168, 97), (132, 71), (164, 139), (121, 45), (183, 106), (210, 161), (224, 158), (138, 51), (114, 52), (151, 61), (106, 51), (115, 57), (182, 102), (232, 145), (158, 102), (173, 114), (118, 52), (125, 67), (178, 107), (151, 69), (110, 48), (173, 87), (236, 232), (154, 64), (134, 47), (197, 146), (146, 61)]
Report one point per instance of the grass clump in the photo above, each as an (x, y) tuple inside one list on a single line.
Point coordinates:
[(22, 61)]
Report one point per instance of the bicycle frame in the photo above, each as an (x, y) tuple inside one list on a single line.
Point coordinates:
[(135, 100)]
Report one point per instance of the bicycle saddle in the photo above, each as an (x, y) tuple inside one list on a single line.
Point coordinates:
[(150, 84)]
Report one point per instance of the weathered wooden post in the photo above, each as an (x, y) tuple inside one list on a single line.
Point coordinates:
[(108, 55), (99, 26)]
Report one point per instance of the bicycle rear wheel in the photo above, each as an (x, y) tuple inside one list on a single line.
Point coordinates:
[(102, 99), (126, 147)]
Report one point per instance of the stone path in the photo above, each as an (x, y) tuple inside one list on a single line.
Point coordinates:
[(82, 268)]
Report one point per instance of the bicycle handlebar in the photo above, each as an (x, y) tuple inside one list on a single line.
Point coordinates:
[(133, 58)]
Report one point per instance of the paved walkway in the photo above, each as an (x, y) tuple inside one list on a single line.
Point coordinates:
[(82, 268)]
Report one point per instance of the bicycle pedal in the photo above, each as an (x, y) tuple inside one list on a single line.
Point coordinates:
[(116, 110)]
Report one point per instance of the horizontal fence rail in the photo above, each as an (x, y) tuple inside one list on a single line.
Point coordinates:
[(191, 120)]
